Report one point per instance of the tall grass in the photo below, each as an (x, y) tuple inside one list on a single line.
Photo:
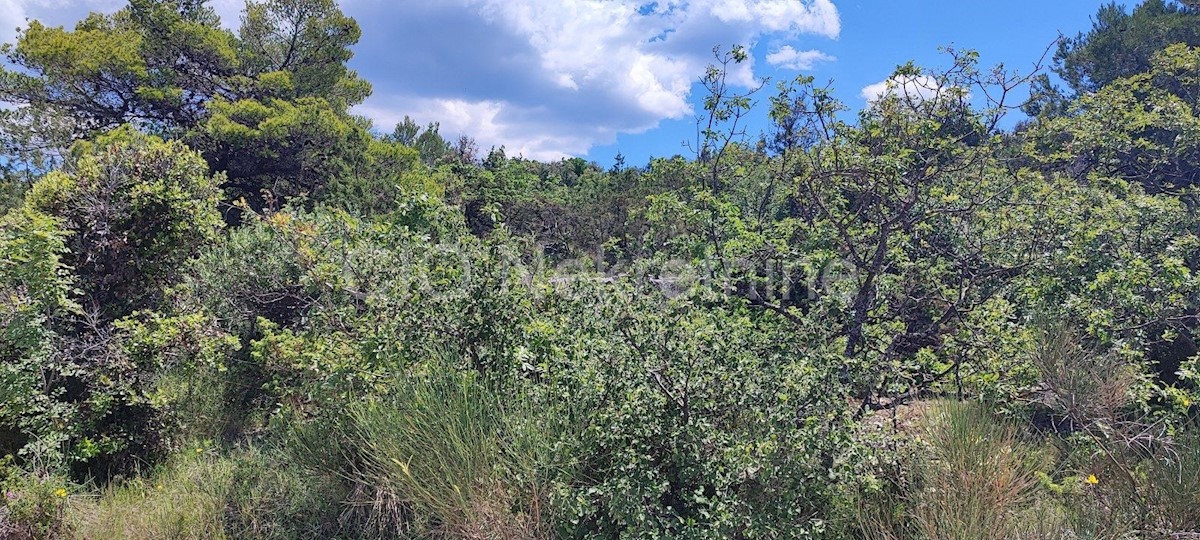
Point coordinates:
[(443, 456), (973, 480), (1175, 477), (977, 477), (184, 500), (248, 493), (1081, 387), (1163, 503), (1144, 481)]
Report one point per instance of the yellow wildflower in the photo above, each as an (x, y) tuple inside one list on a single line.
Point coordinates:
[(280, 219), (199, 450), (60, 493), (1091, 479)]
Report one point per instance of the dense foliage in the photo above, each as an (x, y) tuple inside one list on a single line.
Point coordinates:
[(231, 308)]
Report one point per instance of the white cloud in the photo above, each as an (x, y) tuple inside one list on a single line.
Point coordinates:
[(12, 15), (521, 131), (790, 58), (549, 78), (819, 17), (914, 88)]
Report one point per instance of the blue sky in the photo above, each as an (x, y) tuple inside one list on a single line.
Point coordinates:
[(591, 78)]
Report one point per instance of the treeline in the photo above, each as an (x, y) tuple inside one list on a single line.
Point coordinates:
[(230, 308)]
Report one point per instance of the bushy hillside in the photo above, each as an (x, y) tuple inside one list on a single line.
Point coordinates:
[(230, 308)]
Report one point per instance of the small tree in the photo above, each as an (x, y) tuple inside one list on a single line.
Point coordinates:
[(136, 208)]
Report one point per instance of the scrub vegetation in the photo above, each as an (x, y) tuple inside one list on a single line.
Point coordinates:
[(231, 308)]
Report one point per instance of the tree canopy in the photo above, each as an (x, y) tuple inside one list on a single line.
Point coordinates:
[(1121, 43), (268, 106)]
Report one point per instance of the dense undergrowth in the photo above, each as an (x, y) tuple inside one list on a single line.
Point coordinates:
[(904, 323)]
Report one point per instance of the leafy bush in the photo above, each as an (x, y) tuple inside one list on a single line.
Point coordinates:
[(187, 358), (35, 502), (136, 208), (93, 244), (35, 288), (695, 422)]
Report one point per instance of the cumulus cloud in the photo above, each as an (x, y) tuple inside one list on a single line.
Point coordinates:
[(520, 130), (819, 17), (549, 78), (914, 88), (788, 57)]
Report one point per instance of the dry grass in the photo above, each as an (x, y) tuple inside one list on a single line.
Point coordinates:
[(1082, 387), (973, 480)]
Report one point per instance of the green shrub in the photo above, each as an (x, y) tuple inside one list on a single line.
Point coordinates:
[(188, 359), (696, 419), (93, 243), (34, 502), (35, 286), (137, 208)]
